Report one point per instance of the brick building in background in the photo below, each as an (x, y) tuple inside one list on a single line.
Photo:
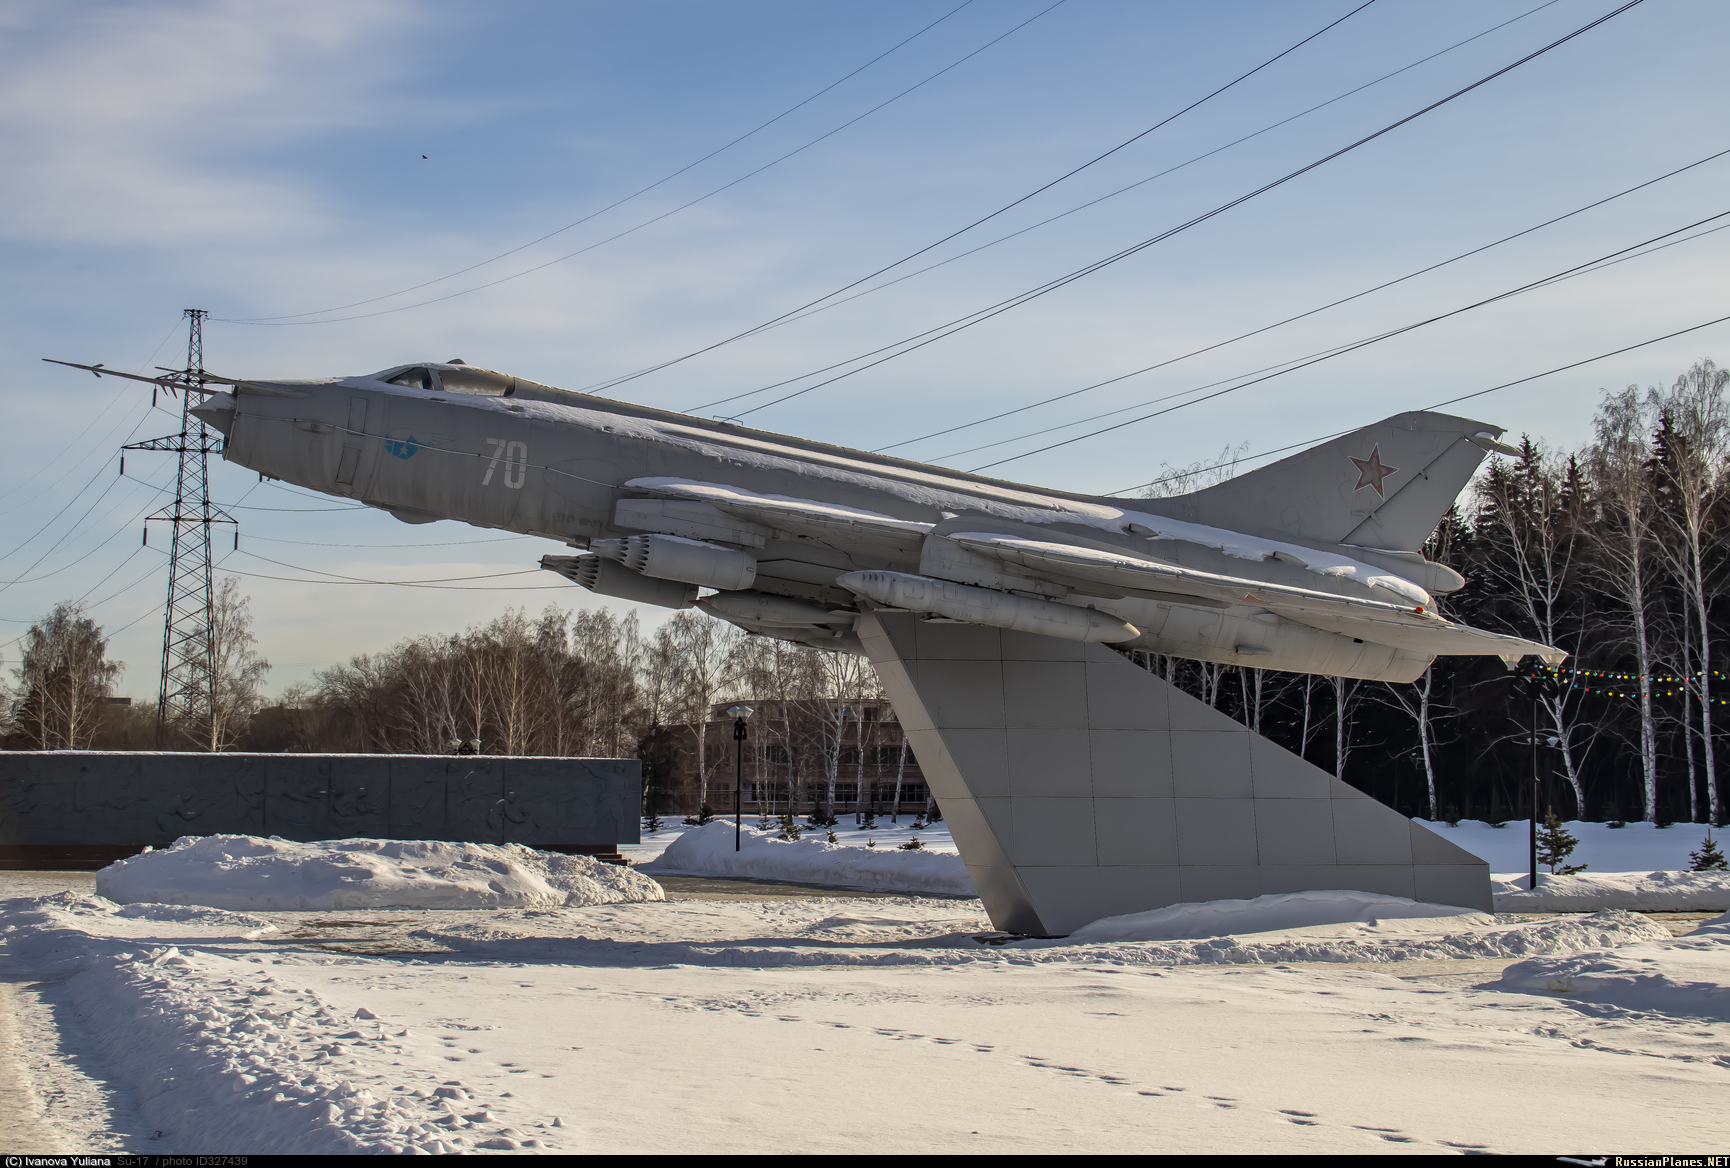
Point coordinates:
[(846, 756)]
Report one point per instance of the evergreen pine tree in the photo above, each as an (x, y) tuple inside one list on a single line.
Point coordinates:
[(651, 823), (1555, 845), (912, 845), (833, 838), (823, 816), (705, 814), (868, 820), (1709, 858), (789, 827)]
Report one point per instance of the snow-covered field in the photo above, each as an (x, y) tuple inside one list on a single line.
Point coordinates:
[(889, 836), (1649, 876), (721, 849), (848, 1025), (1635, 847)]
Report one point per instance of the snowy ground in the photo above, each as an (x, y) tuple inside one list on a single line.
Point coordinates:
[(1635, 847), (1634, 867), (724, 849), (848, 1025), (889, 835)]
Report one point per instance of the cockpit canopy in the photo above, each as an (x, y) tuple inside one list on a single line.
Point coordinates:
[(451, 377)]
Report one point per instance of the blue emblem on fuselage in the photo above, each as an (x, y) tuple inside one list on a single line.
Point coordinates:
[(405, 443)]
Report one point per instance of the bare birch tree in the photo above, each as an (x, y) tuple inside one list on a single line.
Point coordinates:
[(240, 670), (1694, 441), (1535, 519), (64, 679), (1618, 463)]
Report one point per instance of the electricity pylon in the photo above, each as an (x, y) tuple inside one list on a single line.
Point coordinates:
[(187, 701)]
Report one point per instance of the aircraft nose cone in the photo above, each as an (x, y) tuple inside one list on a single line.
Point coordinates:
[(216, 411)]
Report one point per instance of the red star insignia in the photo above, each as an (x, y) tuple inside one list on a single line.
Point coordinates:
[(1372, 470)]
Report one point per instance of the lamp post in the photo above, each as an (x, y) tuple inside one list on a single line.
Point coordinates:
[(1532, 823), (740, 714), (1535, 679)]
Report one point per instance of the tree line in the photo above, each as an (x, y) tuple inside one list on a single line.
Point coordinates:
[(1617, 552)]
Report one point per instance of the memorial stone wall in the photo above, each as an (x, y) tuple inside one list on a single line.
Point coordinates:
[(84, 809)]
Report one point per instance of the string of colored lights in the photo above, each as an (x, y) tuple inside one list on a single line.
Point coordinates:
[(1688, 683)]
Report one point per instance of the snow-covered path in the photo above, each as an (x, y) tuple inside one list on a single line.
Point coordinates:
[(840, 1025)]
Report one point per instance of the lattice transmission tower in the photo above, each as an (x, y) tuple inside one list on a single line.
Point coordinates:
[(187, 701)]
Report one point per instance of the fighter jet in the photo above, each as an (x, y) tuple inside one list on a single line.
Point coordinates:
[(1311, 564)]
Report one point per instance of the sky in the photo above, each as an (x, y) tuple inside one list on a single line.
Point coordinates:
[(574, 192)]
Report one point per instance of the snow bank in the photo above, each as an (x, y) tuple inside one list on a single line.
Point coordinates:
[(1688, 976), (931, 944), (1634, 891), (250, 873), (1264, 914), (708, 851), (1387, 939)]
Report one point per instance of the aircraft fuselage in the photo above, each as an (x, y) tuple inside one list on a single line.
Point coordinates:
[(498, 452)]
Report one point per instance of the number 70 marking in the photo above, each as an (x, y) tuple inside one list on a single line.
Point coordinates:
[(516, 459)]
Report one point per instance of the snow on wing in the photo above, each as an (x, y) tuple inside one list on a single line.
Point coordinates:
[(1413, 627)]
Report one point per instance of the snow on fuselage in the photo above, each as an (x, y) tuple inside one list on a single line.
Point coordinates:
[(522, 457)]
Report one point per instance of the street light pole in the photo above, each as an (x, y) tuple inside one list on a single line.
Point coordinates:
[(1535, 680), (1532, 824), (740, 713)]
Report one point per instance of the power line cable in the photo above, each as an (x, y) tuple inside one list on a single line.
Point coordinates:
[(448, 582), (256, 507), (91, 608), (941, 332), (640, 191), (1639, 251), (4, 585), (338, 577), (279, 322), (1302, 315), (95, 417), (972, 251), (1355, 345), (56, 516), (1438, 405), (772, 321), (403, 584), (103, 446), (1296, 363), (363, 546)]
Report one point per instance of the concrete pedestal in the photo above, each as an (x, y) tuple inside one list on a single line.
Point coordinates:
[(1078, 786)]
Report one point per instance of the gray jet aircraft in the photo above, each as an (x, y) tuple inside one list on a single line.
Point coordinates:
[(1311, 564)]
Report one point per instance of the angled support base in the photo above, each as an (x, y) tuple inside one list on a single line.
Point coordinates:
[(1078, 786)]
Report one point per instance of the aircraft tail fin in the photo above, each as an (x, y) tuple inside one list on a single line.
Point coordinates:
[(1384, 486)]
